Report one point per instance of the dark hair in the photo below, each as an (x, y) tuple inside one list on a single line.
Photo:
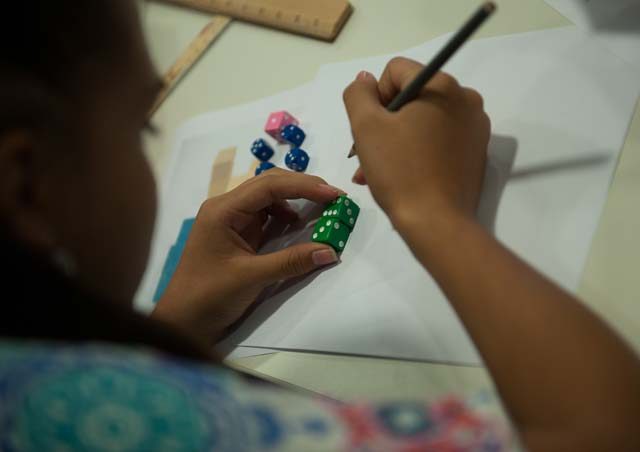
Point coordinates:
[(40, 303), (43, 45)]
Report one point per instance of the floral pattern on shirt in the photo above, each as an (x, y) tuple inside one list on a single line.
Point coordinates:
[(97, 397)]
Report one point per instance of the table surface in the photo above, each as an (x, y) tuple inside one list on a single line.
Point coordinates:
[(242, 67)]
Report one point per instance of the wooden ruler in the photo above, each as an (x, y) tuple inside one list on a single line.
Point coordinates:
[(321, 19), (222, 179), (190, 56)]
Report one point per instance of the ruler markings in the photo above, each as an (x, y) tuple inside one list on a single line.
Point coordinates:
[(317, 18)]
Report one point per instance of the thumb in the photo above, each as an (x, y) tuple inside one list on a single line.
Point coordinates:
[(361, 98), (296, 260)]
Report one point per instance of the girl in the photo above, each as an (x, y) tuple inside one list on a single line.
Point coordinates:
[(80, 370)]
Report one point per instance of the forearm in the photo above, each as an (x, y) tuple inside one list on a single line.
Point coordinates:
[(556, 365), (199, 327)]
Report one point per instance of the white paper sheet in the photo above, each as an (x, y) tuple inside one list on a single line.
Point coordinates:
[(556, 99), (245, 352), (614, 23)]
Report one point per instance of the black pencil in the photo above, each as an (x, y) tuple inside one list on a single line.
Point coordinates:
[(431, 69)]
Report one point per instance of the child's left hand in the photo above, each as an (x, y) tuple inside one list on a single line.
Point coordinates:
[(220, 274)]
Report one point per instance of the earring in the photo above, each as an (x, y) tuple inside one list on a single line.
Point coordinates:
[(65, 262)]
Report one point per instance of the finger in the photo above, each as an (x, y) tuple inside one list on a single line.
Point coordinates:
[(397, 74), (293, 261), (358, 177), (443, 82), (361, 100), (283, 211), (277, 172), (474, 98), (253, 232), (284, 172), (400, 72), (272, 188)]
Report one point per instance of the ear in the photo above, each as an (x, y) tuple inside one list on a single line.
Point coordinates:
[(20, 210)]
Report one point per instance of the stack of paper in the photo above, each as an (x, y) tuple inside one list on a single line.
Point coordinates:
[(560, 105), (615, 24)]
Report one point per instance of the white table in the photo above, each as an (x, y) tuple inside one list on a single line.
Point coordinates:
[(243, 66)]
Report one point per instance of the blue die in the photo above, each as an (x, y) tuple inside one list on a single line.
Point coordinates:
[(297, 159), (263, 167), (293, 135), (261, 150)]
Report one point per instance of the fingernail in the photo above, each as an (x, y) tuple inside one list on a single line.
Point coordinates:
[(331, 189), (363, 75), (358, 178), (324, 257)]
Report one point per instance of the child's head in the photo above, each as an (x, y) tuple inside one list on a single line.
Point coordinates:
[(75, 85)]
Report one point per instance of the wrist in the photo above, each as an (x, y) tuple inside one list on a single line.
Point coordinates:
[(430, 227), (193, 324)]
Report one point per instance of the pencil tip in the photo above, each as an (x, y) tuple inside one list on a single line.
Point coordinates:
[(490, 7)]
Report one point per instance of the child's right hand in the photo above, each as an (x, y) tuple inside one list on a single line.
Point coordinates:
[(424, 165), (427, 160)]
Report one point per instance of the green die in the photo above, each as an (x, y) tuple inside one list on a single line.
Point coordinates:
[(344, 210), (331, 232)]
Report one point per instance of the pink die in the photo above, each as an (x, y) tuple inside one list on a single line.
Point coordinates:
[(276, 122)]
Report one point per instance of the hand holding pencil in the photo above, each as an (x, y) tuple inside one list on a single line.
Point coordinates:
[(411, 90), (426, 160)]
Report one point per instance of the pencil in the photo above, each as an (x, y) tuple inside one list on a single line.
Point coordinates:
[(431, 69)]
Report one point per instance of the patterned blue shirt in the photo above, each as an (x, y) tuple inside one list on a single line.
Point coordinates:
[(99, 397)]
